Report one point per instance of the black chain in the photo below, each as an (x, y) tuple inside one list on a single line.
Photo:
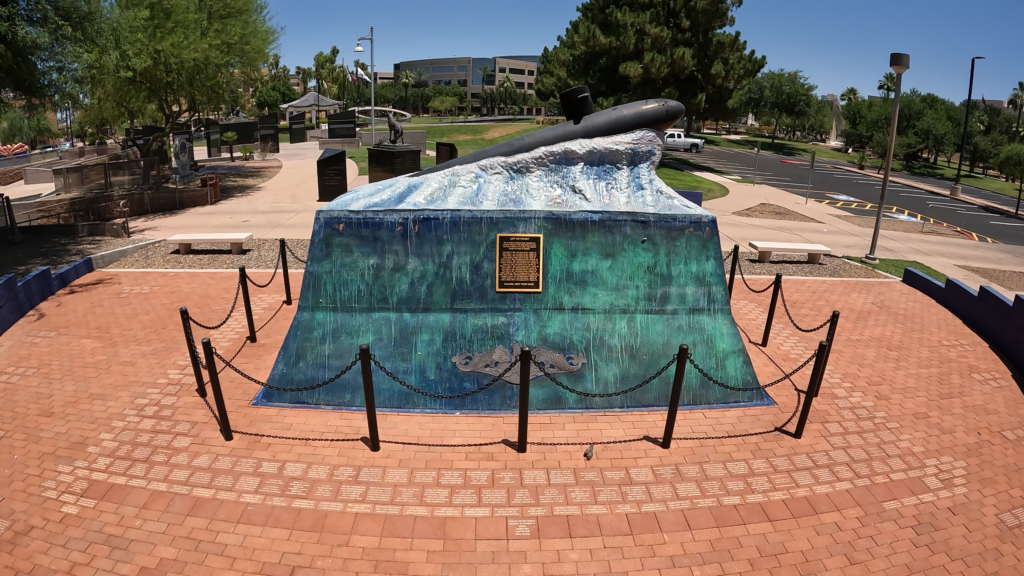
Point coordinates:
[(234, 303), (276, 266), (744, 278), (608, 394), (292, 252), (476, 445), (795, 325), (330, 380), (588, 443), (490, 383), (192, 344), (783, 378), (796, 409)]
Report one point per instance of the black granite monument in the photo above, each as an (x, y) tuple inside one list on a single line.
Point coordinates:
[(445, 151), (212, 138), (342, 125), (390, 160), (297, 127), (268, 133), (331, 174)]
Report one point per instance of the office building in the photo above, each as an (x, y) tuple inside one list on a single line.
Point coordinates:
[(465, 72)]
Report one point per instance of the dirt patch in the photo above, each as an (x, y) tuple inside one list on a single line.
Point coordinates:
[(40, 250), (774, 212), (796, 265), (1009, 279), (504, 130), (894, 225), (257, 254), (239, 178)]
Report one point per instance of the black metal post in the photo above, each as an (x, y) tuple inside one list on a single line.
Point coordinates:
[(677, 391), (371, 403), (771, 310), (193, 355), (735, 262), (218, 396), (284, 270), (243, 279), (812, 389), (967, 118), (525, 360), (832, 324), (12, 219)]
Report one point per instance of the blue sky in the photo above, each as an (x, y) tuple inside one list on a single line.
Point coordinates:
[(837, 44)]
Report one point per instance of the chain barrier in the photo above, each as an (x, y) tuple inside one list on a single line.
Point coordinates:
[(238, 290), (330, 380), (796, 409), (779, 380), (292, 252), (744, 278), (274, 436), (192, 344), (424, 445), (792, 321), (435, 395), (272, 276), (608, 394)]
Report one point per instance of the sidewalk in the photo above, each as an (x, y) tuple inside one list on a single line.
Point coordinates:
[(282, 207), (846, 239)]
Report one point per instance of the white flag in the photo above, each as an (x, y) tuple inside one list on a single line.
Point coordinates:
[(362, 74)]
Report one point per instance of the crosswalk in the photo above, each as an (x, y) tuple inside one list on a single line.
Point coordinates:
[(905, 214)]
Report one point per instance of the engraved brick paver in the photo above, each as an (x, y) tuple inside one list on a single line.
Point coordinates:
[(111, 464)]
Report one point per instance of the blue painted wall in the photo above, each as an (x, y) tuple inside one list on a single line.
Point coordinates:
[(19, 297), (991, 315)]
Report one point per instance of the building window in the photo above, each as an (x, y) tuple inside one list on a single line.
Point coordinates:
[(520, 85), (529, 86), (518, 71), (462, 82), (501, 69), (529, 72), (442, 82), (462, 68), (443, 69)]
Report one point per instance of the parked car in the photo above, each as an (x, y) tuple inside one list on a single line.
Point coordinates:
[(677, 140), (46, 147), (65, 145)]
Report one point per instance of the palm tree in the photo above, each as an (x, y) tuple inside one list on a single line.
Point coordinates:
[(1016, 101), (305, 75), (420, 76), (887, 84), (851, 94), (506, 87), (484, 71), (406, 80)]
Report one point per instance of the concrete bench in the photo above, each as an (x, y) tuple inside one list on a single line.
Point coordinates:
[(235, 239), (813, 251)]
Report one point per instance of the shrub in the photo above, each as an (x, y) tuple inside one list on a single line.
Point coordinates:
[(246, 151), (265, 150)]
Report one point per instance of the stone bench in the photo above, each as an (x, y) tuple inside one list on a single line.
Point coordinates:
[(235, 239), (813, 251)]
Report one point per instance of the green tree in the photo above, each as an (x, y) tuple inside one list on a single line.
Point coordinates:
[(406, 80), (1011, 163), (444, 104), (777, 94), (27, 125), (305, 76), (485, 72), (676, 49), (887, 85), (851, 94), (420, 76), (167, 56), (229, 138), (1016, 101), (270, 97)]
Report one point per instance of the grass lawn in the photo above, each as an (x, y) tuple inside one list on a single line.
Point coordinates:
[(682, 180), (780, 147), (466, 137), (895, 267)]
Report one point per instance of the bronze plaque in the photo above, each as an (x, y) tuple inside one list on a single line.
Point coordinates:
[(519, 266)]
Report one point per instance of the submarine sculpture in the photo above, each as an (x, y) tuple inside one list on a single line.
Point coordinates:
[(581, 122)]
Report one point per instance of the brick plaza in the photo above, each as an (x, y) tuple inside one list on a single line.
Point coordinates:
[(110, 463)]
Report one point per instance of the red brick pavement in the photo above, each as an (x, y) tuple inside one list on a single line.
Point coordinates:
[(112, 465)]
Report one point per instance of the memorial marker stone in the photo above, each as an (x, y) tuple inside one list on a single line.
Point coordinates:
[(388, 161), (331, 175), (268, 133), (342, 124), (445, 151)]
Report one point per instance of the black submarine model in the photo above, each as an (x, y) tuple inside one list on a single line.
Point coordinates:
[(581, 122)]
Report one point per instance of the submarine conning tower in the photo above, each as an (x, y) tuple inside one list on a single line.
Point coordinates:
[(576, 103)]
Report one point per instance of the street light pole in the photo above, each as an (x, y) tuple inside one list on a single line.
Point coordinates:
[(954, 190), (899, 63), (373, 104)]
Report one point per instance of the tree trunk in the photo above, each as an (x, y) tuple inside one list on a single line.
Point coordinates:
[(1016, 131), (775, 130)]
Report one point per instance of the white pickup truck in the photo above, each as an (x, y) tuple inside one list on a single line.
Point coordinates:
[(677, 140)]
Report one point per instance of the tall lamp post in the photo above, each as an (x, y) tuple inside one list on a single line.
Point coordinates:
[(373, 104), (899, 63), (954, 190)]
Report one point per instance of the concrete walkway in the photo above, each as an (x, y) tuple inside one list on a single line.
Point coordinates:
[(282, 207), (844, 238)]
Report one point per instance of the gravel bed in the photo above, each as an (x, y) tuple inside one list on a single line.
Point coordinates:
[(40, 250), (796, 265), (257, 254), (1009, 279), (903, 226), (774, 212)]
